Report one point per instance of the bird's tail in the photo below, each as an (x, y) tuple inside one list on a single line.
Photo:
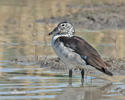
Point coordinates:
[(105, 71)]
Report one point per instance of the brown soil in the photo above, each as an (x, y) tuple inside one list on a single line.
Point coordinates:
[(117, 65), (96, 16)]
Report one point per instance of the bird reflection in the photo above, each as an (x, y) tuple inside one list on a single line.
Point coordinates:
[(70, 82), (84, 93)]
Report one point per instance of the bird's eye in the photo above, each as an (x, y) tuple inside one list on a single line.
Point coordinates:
[(62, 25)]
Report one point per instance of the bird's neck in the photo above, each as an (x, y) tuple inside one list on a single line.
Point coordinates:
[(56, 36)]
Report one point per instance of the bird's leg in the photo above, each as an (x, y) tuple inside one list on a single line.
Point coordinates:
[(70, 73), (82, 73), (70, 77), (82, 76)]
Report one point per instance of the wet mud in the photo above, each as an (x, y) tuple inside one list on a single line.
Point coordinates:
[(55, 63)]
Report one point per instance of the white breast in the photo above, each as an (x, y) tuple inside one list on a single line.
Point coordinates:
[(67, 55)]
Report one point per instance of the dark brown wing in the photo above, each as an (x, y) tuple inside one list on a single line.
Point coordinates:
[(86, 51)]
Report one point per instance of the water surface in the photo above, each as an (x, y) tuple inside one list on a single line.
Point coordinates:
[(26, 82), (24, 39)]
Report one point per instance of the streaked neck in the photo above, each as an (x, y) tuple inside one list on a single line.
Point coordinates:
[(61, 35)]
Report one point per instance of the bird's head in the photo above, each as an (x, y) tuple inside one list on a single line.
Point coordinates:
[(63, 28)]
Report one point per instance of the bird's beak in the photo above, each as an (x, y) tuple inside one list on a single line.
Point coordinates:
[(54, 31)]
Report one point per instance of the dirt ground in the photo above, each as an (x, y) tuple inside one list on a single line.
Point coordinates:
[(117, 65), (55, 64), (95, 17)]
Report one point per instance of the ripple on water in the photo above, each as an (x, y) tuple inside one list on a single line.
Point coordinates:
[(27, 82)]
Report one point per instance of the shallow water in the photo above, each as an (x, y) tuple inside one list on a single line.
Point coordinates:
[(24, 39), (26, 82)]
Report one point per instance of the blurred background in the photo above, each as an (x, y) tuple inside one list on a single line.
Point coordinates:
[(25, 24), (24, 40)]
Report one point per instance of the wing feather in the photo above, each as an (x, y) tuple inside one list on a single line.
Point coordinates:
[(85, 50)]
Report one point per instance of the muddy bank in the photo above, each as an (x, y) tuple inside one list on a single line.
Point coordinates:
[(94, 16), (117, 65), (54, 63)]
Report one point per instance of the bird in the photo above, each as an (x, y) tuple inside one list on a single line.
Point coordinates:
[(76, 52)]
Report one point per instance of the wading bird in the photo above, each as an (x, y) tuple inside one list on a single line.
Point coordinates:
[(75, 51)]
